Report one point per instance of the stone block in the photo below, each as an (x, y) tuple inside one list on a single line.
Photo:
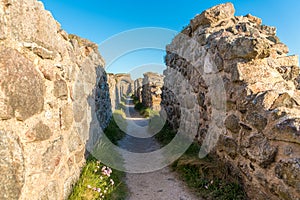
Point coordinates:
[(67, 117), (40, 132), (60, 89), (256, 120), (289, 171), (74, 141), (232, 123), (12, 173), (261, 151), (52, 156), (213, 15), (22, 87)]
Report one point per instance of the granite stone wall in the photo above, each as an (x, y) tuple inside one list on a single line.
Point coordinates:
[(113, 90), (246, 90), (53, 90), (124, 85), (138, 88), (151, 90)]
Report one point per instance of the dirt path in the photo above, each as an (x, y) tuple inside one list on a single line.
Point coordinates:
[(158, 185)]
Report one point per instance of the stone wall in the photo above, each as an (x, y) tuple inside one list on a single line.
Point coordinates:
[(151, 90), (245, 88), (120, 86), (138, 87), (124, 84), (51, 85), (113, 90)]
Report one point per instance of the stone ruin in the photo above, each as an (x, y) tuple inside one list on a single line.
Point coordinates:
[(151, 90), (246, 89), (113, 90), (55, 98), (138, 88), (120, 86), (125, 84), (53, 101)]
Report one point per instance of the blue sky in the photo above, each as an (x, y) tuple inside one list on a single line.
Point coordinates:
[(99, 20)]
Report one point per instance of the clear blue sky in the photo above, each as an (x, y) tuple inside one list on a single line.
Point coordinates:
[(98, 20)]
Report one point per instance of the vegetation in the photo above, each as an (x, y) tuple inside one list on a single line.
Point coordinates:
[(122, 106), (113, 131), (98, 181), (135, 100), (208, 178), (143, 110), (123, 98)]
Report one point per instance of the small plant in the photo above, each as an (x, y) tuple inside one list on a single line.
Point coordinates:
[(122, 106), (135, 100), (97, 181), (145, 111)]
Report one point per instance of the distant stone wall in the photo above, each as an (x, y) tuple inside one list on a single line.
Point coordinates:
[(120, 86), (104, 106), (113, 90), (151, 90), (138, 87), (52, 85), (246, 89), (124, 84)]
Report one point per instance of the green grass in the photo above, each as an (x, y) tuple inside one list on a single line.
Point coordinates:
[(122, 106), (113, 131), (209, 178), (123, 98), (91, 177), (155, 121), (135, 100), (143, 110)]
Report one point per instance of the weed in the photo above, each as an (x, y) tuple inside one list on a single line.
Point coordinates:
[(98, 181)]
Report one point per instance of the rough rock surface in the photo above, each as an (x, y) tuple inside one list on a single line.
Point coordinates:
[(125, 84), (138, 88), (246, 90), (51, 85), (120, 86), (151, 90), (113, 92)]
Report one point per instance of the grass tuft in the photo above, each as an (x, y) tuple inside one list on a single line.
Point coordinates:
[(98, 182)]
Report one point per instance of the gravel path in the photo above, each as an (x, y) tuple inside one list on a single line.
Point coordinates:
[(162, 184)]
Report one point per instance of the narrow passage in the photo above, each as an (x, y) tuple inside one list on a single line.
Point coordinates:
[(158, 185)]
